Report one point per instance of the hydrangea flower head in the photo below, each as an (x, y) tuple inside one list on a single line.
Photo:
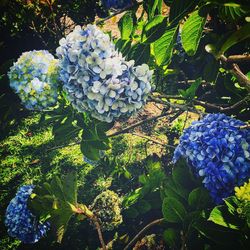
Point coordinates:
[(107, 207), (34, 78), (21, 223), (218, 151), (116, 4), (96, 77)]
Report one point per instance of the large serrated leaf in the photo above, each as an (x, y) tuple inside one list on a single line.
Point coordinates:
[(70, 188), (155, 28), (220, 216), (60, 219), (199, 198), (170, 235), (126, 25), (140, 52), (89, 151), (65, 130), (101, 145), (238, 36), (163, 47), (218, 234), (173, 210), (191, 33), (152, 7), (57, 188), (233, 12), (180, 8)]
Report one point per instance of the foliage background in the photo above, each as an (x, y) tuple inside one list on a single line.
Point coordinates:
[(28, 149)]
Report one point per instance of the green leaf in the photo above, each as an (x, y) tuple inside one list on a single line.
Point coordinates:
[(219, 216), (180, 8), (41, 206), (103, 127), (89, 135), (140, 52), (155, 29), (60, 219), (182, 175), (70, 187), (131, 213), (89, 151), (218, 234), (238, 36), (163, 47), (123, 46), (174, 191), (190, 92), (199, 198), (94, 138), (232, 204), (191, 33), (142, 179), (57, 188), (64, 130), (173, 210), (170, 235), (233, 11), (211, 69), (97, 144), (132, 198), (55, 202), (126, 25), (152, 7), (143, 206)]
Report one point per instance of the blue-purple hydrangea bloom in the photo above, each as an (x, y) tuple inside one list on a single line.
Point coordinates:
[(34, 78), (218, 151), (21, 223), (96, 77), (116, 4)]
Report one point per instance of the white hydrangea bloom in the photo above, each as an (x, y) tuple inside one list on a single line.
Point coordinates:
[(96, 77)]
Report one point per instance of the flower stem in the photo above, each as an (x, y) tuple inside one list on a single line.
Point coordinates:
[(155, 222), (99, 231)]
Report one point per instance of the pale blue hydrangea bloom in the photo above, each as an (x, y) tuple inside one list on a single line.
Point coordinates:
[(218, 151), (96, 77), (34, 78), (21, 223)]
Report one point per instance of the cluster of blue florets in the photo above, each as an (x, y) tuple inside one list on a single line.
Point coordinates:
[(218, 151), (116, 4), (21, 223), (34, 78), (96, 77)]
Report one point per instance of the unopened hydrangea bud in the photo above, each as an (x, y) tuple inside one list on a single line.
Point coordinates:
[(21, 223), (34, 78), (96, 77), (218, 151), (107, 207), (243, 192)]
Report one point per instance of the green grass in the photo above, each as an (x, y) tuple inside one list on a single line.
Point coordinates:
[(30, 155)]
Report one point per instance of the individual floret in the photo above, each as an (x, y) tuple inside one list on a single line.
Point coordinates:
[(34, 78), (21, 223), (107, 207), (96, 77), (218, 151)]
